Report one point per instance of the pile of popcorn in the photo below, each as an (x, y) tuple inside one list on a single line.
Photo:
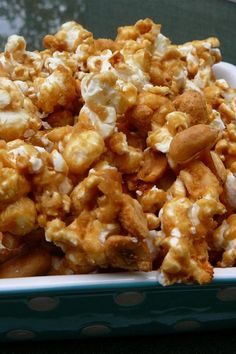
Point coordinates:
[(116, 155)]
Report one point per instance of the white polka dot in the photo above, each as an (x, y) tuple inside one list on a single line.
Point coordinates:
[(130, 298), (95, 330), (43, 303), (20, 334), (186, 325), (228, 294)]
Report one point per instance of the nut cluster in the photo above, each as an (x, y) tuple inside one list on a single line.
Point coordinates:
[(116, 155)]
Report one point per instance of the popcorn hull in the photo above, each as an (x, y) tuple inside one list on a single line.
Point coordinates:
[(118, 304), (106, 305)]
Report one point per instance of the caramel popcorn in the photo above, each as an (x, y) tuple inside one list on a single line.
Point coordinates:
[(116, 155)]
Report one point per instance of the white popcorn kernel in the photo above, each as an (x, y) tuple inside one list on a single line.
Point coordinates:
[(46, 125), (154, 188), (174, 242), (66, 186), (19, 151), (28, 133), (107, 231), (219, 235), (22, 85), (164, 145), (193, 214), (161, 44), (17, 118), (5, 99), (58, 161), (217, 122), (230, 186), (175, 232), (40, 149), (36, 163)]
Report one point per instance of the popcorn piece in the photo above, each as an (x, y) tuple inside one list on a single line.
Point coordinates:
[(160, 139), (153, 221), (132, 217), (177, 121), (224, 239), (19, 217), (57, 90), (17, 63), (12, 185), (125, 252), (230, 188), (186, 257), (82, 150), (118, 143), (68, 38), (26, 157), (85, 192), (16, 113), (200, 181), (186, 261), (152, 200), (58, 162), (153, 167), (104, 96), (176, 190), (129, 162)]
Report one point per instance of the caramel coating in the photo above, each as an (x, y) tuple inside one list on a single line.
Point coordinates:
[(18, 218), (82, 150), (125, 252), (116, 155)]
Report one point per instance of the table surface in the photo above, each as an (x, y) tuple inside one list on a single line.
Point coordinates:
[(182, 20), (201, 343)]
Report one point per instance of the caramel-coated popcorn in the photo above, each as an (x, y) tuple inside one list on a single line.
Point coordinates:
[(116, 155)]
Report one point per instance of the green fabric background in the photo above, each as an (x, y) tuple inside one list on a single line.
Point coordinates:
[(182, 20)]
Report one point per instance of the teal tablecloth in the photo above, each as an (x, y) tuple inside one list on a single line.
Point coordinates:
[(182, 20), (201, 343)]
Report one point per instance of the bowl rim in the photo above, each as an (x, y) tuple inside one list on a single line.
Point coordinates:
[(105, 282)]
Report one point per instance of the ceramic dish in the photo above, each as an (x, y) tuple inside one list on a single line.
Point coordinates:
[(116, 304)]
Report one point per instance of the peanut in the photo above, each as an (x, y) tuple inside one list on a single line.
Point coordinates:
[(37, 262), (193, 103), (188, 144)]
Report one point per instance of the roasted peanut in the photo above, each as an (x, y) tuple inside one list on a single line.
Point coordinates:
[(36, 262), (189, 143), (193, 103)]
